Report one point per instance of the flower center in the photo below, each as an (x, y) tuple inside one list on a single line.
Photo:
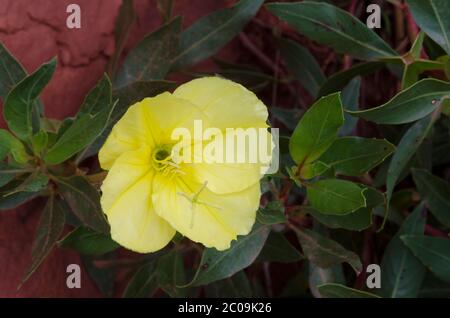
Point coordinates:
[(162, 161)]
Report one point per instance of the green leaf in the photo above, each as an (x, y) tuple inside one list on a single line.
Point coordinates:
[(125, 96), (49, 230), (144, 283), (84, 201), (335, 196), (151, 59), (407, 147), (102, 277), (341, 291), (10, 201), (39, 141), (436, 192), (8, 173), (10, 144), (350, 100), (340, 79), (35, 182), (409, 105), (317, 129), (207, 35), (402, 272), (331, 26), (354, 156), (90, 122), (216, 265), (359, 220), (325, 252), (278, 249), (19, 103), (433, 252), (11, 72), (273, 213), (170, 273), (432, 16), (236, 286), (88, 242), (124, 23), (303, 65)]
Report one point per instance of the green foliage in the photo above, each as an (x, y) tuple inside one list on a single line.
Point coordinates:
[(216, 265), (364, 152), (206, 36)]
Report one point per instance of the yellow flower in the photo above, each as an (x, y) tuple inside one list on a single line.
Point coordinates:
[(147, 196)]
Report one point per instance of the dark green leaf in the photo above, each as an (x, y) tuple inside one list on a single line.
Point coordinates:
[(436, 192), (350, 100), (35, 182), (19, 103), (303, 65), (333, 27), (354, 156), (433, 252), (84, 201), (11, 71), (339, 80), (90, 122), (170, 273), (335, 196), (402, 272), (409, 105), (49, 229), (273, 213), (207, 35), (432, 16), (407, 147), (151, 59), (325, 252), (144, 282), (8, 173), (10, 201), (216, 265), (341, 291), (317, 129), (236, 286), (359, 220), (124, 23), (278, 249), (102, 277), (89, 242)]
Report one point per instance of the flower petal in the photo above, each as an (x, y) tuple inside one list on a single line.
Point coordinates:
[(210, 219), (223, 177), (130, 133), (126, 200), (227, 104)]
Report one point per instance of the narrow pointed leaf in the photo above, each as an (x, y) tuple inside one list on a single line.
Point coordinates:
[(207, 35), (402, 272), (333, 27), (18, 107), (433, 252), (409, 105), (325, 252), (436, 192)]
